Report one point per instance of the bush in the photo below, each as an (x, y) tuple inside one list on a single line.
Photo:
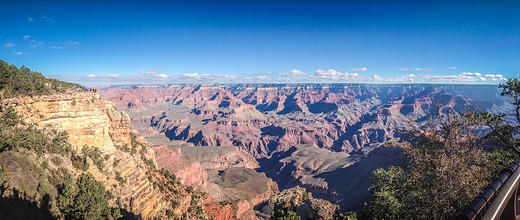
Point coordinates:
[(95, 155), (85, 199), (9, 117), (60, 144), (80, 162), (57, 160), (45, 164), (281, 214), (305, 196), (119, 178)]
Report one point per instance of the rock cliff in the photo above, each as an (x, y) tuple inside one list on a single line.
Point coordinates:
[(299, 200), (126, 164)]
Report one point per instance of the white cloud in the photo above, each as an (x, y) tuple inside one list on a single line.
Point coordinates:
[(319, 76), (405, 78), (26, 37), (452, 67), (423, 69), (295, 72), (9, 44), (376, 78), (263, 77), (359, 69), (35, 44), (467, 77), (400, 68), (495, 77), (330, 75), (48, 20), (55, 47), (18, 53), (195, 75), (152, 77), (454, 78), (29, 19), (471, 74), (333, 74), (71, 42)]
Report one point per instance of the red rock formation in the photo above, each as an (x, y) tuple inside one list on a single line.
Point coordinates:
[(190, 172)]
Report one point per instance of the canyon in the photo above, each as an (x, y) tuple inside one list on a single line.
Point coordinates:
[(94, 123), (326, 138)]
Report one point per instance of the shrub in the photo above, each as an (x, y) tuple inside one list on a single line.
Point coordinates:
[(80, 162), (95, 155), (57, 160), (60, 144), (119, 178), (85, 199)]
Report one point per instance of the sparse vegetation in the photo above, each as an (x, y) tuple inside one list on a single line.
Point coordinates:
[(347, 216), (119, 178), (80, 162), (305, 196), (57, 160), (281, 214), (95, 155), (85, 199), (116, 162), (16, 82), (60, 144), (14, 134)]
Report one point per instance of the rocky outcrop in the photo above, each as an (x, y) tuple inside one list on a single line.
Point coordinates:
[(91, 121), (231, 187), (229, 210), (242, 187), (189, 171), (316, 209), (299, 200), (85, 116)]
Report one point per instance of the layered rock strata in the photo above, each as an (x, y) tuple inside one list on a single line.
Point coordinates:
[(94, 122)]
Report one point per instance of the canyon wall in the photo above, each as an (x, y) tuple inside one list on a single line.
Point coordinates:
[(297, 134), (93, 122)]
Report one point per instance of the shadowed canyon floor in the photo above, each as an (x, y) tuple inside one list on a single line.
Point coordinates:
[(323, 137)]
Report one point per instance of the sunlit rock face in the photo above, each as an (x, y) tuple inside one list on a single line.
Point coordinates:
[(264, 119), (94, 122)]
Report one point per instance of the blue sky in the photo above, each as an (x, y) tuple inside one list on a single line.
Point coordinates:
[(102, 42)]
